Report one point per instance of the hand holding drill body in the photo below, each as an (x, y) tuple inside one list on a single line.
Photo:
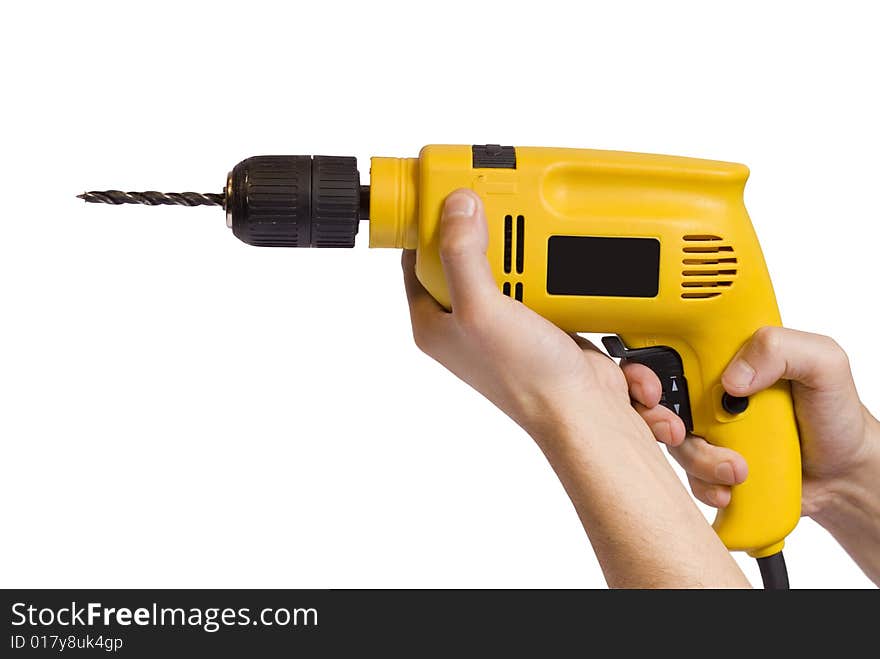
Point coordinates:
[(840, 439)]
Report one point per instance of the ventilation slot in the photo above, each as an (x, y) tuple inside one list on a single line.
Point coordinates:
[(514, 254), (708, 261), (705, 273), (508, 241), (520, 242), (699, 296), (709, 266), (707, 249), (700, 237)]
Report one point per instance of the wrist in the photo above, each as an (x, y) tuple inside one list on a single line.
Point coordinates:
[(831, 501), (569, 421), (599, 437)]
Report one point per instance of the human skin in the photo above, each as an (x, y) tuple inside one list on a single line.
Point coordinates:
[(840, 439), (574, 402)]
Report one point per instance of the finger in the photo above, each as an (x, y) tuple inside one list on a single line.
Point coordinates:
[(426, 314), (776, 352), (713, 464), (712, 494), (463, 240), (666, 426), (644, 385)]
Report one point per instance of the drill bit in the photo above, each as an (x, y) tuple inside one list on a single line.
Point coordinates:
[(152, 198)]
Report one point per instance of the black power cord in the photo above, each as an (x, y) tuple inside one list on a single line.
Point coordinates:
[(773, 572)]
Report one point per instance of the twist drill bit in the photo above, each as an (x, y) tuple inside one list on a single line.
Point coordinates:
[(152, 198), (276, 201)]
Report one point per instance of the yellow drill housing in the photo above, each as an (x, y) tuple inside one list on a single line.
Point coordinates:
[(689, 274)]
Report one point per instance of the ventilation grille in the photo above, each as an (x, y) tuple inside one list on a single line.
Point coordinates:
[(709, 267), (514, 254)]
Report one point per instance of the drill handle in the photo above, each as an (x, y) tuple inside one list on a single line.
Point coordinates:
[(766, 507)]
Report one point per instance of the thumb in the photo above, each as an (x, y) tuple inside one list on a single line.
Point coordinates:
[(775, 353), (463, 240)]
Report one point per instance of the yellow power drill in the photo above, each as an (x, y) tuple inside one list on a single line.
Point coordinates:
[(658, 249)]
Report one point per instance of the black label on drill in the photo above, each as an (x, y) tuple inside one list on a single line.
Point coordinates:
[(594, 265)]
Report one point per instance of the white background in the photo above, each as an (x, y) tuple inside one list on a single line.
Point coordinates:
[(178, 409)]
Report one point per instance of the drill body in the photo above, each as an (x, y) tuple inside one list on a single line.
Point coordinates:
[(659, 250)]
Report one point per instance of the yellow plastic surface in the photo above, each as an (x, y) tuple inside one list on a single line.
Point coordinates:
[(695, 209)]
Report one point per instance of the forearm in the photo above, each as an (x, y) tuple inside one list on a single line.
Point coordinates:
[(644, 527), (849, 508)]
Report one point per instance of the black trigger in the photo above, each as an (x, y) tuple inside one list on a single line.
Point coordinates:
[(667, 366), (614, 346)]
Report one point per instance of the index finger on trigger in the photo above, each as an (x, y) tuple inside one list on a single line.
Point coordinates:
[(644, 385)]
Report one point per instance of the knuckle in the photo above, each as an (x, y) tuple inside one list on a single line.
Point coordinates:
[(453, 245), (836, 355), (768, 339), (703, 461), (704, 467), (690, 464), (696, 459)]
